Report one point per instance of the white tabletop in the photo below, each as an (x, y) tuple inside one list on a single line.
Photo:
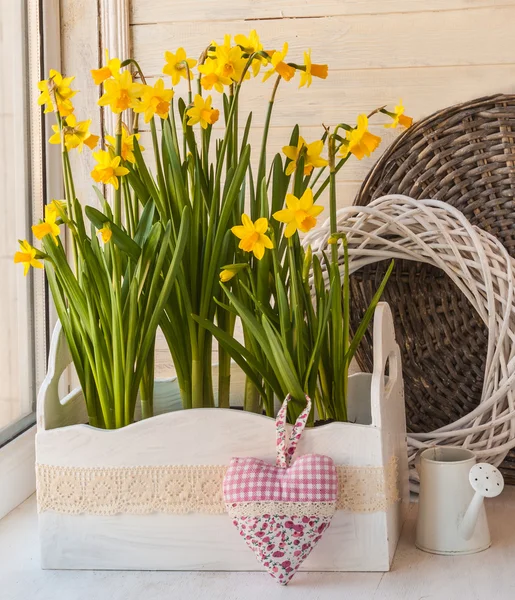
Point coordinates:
[(489, 575)]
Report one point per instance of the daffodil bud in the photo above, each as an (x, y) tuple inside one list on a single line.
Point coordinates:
[(306, 267)]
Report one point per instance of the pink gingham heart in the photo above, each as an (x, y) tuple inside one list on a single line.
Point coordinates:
[(282, 511)]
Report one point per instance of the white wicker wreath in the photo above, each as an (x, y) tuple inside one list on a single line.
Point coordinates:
[(433, 232)]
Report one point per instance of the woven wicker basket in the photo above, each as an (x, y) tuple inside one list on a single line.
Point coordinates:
[(463, 155)]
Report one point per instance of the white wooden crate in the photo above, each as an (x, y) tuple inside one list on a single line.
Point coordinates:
[(355, 541)]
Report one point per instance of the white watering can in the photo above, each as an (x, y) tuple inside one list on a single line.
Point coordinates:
[(451, 511)]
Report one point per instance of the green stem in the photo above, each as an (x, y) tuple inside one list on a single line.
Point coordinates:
[(118, 192)]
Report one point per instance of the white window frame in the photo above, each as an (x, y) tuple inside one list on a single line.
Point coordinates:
[(17, 454)]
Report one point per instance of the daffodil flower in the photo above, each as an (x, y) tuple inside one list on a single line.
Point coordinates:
[(57, 207), (57, 87), (76, 134), (250, 45), (359, 141), (121, 93), (107, 170), (279, 66), (27, 256), (211, 77), (127, 149), (398, 116), (105, 233), (154, 101), (312, 158), (311, 70), (300, 213), (201, 112), (111, 69), (48, 226), (178, 65), (231, 62), (252, 236)]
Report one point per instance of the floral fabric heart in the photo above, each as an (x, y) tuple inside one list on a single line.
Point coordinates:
[(282, 511)]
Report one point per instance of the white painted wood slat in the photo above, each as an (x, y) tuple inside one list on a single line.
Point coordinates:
[(380, 41), (155, 11)]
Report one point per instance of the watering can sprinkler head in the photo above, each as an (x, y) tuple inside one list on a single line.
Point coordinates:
[(487, 482)]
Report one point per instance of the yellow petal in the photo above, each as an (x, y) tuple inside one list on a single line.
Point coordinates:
[(291, 228), (227, 275), (315, 210), (306, 200), (284, 216), (239, 231), (266, 241), (259, 250), (247, 223), (292, 202), (261, 225)]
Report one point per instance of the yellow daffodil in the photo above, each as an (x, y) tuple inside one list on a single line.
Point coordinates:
[(252, 236), (76, 134), (121, 93), (231, 62), (154, 101), (229, 271), (300, 213), (202, 113), (57, 87), (311, 70), (105, 233), (177, 65), (312, 158), (107, 170), (359, 141), (48, 226), (227, 274), (399, 118), (279, 66), (211, 77), (27, 256), (249, 45), (57, 207), (111, 69), (127, 150)]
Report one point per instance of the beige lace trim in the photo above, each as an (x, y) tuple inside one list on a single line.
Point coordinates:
[(297, 509), (186, 489)]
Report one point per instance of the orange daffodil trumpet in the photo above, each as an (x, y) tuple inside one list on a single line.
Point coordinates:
[(299, 214), (311, 70), (201, 112), (359, 141), (253, 236), (57, 89), (398, 116), (108, 169), (27, 257), (279, 67)]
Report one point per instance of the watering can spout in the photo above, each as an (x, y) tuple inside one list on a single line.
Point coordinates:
[(487, 482)]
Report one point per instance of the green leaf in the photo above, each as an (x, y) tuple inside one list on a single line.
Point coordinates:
[(120, 238)]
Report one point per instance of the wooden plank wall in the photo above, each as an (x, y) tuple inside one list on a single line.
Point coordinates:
[(430, 53)]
